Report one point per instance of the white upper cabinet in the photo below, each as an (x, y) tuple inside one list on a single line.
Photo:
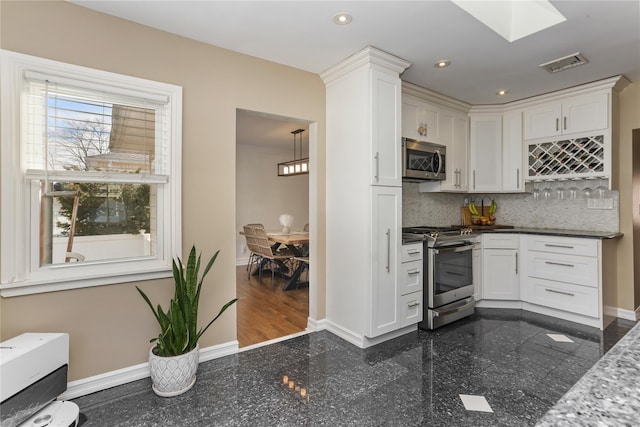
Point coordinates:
[(385, 119), (486, 153), (419, 119), (496, 161), (453, 127), (573, 115), (512, 163)]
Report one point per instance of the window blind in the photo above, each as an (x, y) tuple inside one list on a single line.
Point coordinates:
[(75, 129)]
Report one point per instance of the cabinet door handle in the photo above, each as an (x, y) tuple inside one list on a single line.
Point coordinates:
[(559, 263), (377, 166), (413, 303), (559, 292), (413, 252), (557, 124), (565, 123), (388, 249), (474, 179), (518, 178), (516, 262), (413, 272), (549, 245)]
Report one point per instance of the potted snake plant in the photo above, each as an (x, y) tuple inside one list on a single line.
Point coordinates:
[(173, 360)]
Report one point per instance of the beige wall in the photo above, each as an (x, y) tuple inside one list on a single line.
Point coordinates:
[(110, 326), (629, 117)]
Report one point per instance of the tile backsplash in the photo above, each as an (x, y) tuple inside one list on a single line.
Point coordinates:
[(519, 210)]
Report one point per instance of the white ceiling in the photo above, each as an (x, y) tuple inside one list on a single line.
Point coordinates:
[(302, 34), (270, 131)]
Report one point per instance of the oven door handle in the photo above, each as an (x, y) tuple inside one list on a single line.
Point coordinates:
[(460, 306), (453, 249)]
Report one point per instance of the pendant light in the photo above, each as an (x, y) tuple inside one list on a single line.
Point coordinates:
[(296, 166)]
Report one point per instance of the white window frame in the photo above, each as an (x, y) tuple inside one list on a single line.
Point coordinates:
[(19, 240)]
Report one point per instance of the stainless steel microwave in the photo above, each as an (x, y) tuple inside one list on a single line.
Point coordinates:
[(423, 160)]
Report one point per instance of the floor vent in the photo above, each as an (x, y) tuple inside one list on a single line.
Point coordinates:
[(569, 61)]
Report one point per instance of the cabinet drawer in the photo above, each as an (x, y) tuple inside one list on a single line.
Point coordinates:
[(500, 241), (412, 252), (563, 268), (563, 245), (411, 306), (411, 274), (563, 296)]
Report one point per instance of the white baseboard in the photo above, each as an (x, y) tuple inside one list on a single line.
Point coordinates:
[(316, 325), (133, 373), (345, 334), (242, 261), (362, 341), (622, 313), (492, 303)]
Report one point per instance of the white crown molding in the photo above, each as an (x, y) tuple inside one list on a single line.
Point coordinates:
[(435, 97), (615, 84), (368, 56)]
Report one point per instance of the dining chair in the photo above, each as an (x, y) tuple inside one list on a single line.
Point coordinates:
[(269, 257), (275, 246), (302, 265), (252, 245)]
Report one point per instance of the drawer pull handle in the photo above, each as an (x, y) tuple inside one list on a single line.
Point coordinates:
[(559, 263), (413, 252), (413, 304), (559, 292), (453, 273), (413, 272), (558, 246)]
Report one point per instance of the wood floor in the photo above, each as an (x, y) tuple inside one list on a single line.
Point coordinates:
[(265, 313)]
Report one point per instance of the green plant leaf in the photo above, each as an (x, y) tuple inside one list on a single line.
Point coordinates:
[(179, 324)]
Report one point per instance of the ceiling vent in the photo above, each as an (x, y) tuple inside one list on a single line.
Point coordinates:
[(569, 61)]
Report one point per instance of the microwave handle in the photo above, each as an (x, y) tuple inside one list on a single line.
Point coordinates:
[(439, 162)]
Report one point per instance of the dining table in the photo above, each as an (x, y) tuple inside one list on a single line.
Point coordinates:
[(295, 241)]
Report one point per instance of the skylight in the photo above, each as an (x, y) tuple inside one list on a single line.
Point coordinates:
[(513, 19)]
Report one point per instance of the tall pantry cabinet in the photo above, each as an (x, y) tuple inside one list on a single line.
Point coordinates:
[(364, 197)]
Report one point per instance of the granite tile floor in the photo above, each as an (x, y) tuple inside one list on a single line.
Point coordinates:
[(505, 356)]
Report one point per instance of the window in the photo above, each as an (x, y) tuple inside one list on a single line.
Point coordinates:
[(90, 176)]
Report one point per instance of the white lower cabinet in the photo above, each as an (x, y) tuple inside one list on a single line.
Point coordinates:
[(553, 275), (562, 296), (411, 309), (500, 276), (411, 276), (386, 242), (564, 273)]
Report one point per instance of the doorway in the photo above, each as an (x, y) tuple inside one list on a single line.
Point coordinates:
[(266, 312), (635, 146)]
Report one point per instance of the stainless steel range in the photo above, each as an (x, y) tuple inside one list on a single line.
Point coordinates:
[(448, 273)]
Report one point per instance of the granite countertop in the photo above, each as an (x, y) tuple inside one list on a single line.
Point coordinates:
[(409, 238), (557, 232), (608, 395)]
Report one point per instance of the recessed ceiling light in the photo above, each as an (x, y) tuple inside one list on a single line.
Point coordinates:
[(502, 92), (342, 18), (442, 63)]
